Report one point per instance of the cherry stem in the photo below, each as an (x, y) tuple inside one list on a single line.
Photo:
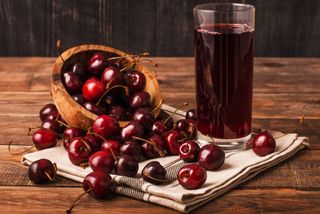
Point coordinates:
[(108, 90), (59, 50), (161, 153), (86, 145), (158, 106), (213, 140), (76, 200), (31, 128), (48, 175), (111, 150), (148, 60), (62, 123), (175, 111), (128, 55), (294, 128), (19, 153)]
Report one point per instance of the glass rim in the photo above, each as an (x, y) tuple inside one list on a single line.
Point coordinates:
[(212, 7)]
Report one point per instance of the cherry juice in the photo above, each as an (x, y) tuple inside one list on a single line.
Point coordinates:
[(224, 70)]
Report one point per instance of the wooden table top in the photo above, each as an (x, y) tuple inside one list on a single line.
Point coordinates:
[(284, 88)]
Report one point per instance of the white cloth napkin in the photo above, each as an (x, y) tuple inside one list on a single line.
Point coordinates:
[(239, 167)]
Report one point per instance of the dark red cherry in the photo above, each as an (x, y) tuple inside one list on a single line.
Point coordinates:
[(97, 64), (188, 151), (99, 184), (46, 110), (144, 116), (53, 125), (70, 133), (93, 89), (135, 80), (165, 117), (191, 115), (79, 151), (139, 100), (54, 116), (263, 144), (211, 157), (126, 166), (131, 148), (101, 161), (96, 109), (132, 129), (111, 146), (192, 176), (158, 127), (117, 112), (71, 82), (154, 173), (173, 140), (187, 126), (109, 100), (79, 98), (79, 70), (42, 171), (111, 76), (44, 139), (105, 126), (93, 141), (154, 147)]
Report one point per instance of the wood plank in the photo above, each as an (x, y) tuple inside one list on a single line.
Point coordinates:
[(57, 200)]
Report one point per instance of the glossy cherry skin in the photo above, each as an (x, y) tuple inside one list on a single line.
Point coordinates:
[(96, 109), (53, 125), (132, 149), (93, 141), (144, 116), (154, 148), (97, 64), (101, 161), (71, 82), (111, 76), (173, 140), (188, 151), (38, 170), (211, 157), (117, 112), (79, 151), (93, 89), (106, 126), (126, 166), (99, 184), (187, 126), (135, 80), (139, 100), (132, 129), (46, 110), (79, 70), (263, 144), (70, 133), (111, 146), (154, 173), (163, 116), (44, 139), (191, 115), (158, 127), (192, 176), (79, 98)]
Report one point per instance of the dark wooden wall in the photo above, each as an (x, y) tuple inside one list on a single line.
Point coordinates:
[(162, 27)]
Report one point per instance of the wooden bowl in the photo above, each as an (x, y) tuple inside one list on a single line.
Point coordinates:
[(73, 113)]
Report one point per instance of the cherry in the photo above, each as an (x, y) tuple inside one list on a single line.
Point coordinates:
[(53, 125), (263, 144), (191, 115), (46, 110), (112, 147), (70, 133), (154, 147), (44, 139), (97, 64), (106, 126), (187, 126), (139, 100), (54, 116), (166, 119), (159, 128), (111, 76), (132, 129), (109, 99), (96, 109), (131, 148), (101, 161), (135, 80), (126, 166), (188, 151), (154, 173), (93, 89), (211, 157), (71, 82), (79, 70), (42, 171), (192, 176), (144, 116), (79, 151), (173, 140), (117, 112), (93, 142), (79, 98)]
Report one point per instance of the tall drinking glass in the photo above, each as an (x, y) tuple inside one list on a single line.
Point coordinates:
[(224, 35)]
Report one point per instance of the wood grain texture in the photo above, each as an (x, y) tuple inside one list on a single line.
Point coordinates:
[(162, 27)]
